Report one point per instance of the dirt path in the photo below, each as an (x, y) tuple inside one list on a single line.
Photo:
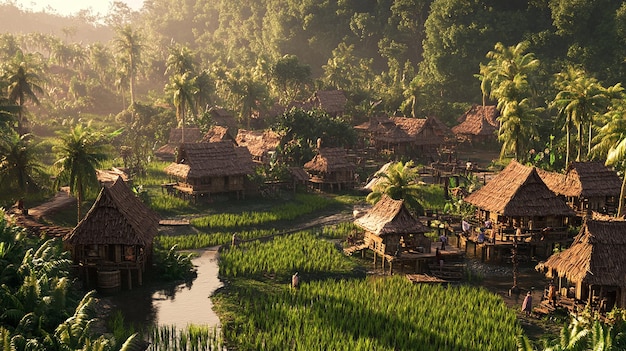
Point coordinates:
[(61, 200)]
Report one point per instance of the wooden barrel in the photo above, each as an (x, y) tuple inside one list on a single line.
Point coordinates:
[(109, 279)]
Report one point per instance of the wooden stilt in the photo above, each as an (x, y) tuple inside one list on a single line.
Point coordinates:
[(130, 280)]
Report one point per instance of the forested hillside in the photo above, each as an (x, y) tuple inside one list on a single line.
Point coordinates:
[(168, 63)]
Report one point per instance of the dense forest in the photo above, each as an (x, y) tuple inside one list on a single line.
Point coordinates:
[(173, 60)]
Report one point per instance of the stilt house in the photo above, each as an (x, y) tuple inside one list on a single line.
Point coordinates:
[(516, 198), (331, 167), (202, 169), (114, 240), (261, 143), (587, 186), (478, 124), (167, 152), (593, 268), (390, 229)]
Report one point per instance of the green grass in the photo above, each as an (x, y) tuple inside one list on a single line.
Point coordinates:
[(336, 310)]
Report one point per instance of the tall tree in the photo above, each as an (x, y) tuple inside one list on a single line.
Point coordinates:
[(400, 182), (582, 99), (80, 152), (24, 85), (507, 78), (19, 163), (129, 45), (183, 88)]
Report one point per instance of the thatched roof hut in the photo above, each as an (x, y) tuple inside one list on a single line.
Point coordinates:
[(217, 133), (389, 216), (116, 234), (388, 224), (332, 101), (223, 117), (477, 124), (259, 142), (331, 167), (588, 186), (205, 168), (116, 217), (168, 151), (518, 191), (594, 261)]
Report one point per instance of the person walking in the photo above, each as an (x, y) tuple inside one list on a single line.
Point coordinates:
[(527, 305), (444, 239)]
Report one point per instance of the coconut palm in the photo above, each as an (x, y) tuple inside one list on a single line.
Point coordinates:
[(518, 126), (128, 44), (507, 78), (582, 99), (179, 61), (24, 84), (400, 182), (80, 153), (183, 88), (18, 161)]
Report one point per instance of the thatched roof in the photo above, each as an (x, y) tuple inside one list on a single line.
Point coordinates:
[(117, 217), (519, 191), (109, 176), (331, 101), (597, 255), (299, 174), (222, 117), (584, 179), (389, 216), (197, 160), (418, 131), (217, 133), (258, 142), (478, 120), (192, 135), (330, 160)]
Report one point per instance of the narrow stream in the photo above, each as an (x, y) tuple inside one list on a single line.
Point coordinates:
[(179, 305)]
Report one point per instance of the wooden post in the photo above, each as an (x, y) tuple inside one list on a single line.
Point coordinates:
[(140, 276), (130, 280)]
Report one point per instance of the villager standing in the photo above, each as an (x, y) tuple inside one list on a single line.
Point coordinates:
[(552, 294), (444, 239), (235, 240), (465, 226), (439, 258), (527, 305), (295, 280)]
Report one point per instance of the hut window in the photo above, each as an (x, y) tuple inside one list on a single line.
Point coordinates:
[(92, 250), (129, 253)]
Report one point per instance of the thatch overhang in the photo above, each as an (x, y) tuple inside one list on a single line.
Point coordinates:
[(192, 135), (330, 160), (584, 179), (332, 101), (200, 160), (389, 216), (223, 117), (478, 121), (217, 133), (597, 256), (519, 191), (258, 142), (109, 176), (117, 217)]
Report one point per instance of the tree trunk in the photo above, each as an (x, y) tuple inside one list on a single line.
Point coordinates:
[(621, 198), (567, 142), (580, 142)]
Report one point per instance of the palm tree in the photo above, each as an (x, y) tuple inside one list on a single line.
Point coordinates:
[(18, 161), (24, 84), (413, 93), (182, 87), (128, 43), (507, 78), (80, 153), (249, 93), (179, 61), (518, 125), (400, 182)]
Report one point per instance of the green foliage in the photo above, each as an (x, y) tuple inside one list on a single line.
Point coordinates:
[(301, 252), (173, 265), (381, 314), (400, 182), (203, 240), (304, 204), (192, 337)]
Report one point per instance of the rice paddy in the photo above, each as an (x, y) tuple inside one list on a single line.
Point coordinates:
[(350, 313)]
